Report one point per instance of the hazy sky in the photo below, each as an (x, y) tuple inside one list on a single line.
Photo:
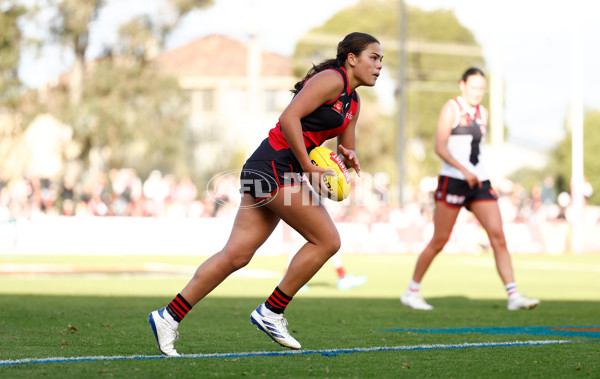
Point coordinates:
[(529, 41)]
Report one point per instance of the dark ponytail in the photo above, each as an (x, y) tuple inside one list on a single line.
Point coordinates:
[(353, 43)]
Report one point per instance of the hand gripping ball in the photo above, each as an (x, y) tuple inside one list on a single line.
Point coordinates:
[(339, 184)]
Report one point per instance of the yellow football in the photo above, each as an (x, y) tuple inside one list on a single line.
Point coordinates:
[(338, 184)]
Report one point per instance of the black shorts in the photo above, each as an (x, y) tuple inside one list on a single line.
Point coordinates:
[(267, 170), (457, 193)]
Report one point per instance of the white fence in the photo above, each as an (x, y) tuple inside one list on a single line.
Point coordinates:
[(205, 236)]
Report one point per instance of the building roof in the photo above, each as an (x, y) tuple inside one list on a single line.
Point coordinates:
[(219, 56)]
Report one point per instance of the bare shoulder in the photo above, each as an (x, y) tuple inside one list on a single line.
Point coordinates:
[(449, 108), (328, 82), (327, 77)]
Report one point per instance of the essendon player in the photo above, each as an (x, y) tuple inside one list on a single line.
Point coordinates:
[(325, 105)]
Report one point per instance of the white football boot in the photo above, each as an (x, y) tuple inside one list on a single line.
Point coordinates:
[(415, 301), (275, 327), (164, 333), (517, 302)]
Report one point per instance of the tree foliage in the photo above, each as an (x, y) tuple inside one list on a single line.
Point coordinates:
[(561, 159), (134, 115), (120, 104), (11, 88), (10, 54), (432, 78)]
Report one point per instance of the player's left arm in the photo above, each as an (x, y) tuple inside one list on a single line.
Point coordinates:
[(347, 143)]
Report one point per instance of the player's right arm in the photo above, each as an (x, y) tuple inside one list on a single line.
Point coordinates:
[(445, 124)]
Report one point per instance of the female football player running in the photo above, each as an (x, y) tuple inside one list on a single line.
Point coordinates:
[(325, 105), (463, 183)]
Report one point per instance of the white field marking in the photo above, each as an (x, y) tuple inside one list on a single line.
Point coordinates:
[(253, 273), (326, 352), (146, 268), (542, 266)]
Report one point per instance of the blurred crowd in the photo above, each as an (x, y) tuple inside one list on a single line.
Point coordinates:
[(118, 192), (122, 192)]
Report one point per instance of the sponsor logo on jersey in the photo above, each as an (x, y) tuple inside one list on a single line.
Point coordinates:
[(465, 119), (338, 107), (349, 115)]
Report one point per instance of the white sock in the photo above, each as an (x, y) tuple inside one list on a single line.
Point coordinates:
[(170, 319), (414, 286), (511, 289)]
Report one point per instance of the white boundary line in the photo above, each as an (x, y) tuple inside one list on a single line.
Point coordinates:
[(326, 352)]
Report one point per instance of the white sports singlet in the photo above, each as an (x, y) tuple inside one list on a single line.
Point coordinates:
[(466, 140)]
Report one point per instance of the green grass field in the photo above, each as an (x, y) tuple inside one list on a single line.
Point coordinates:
[(104, 314)]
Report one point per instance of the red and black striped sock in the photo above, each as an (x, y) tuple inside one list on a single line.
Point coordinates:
[(178, 308), (277, 301)]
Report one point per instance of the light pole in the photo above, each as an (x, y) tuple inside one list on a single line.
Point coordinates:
[(401, 98)]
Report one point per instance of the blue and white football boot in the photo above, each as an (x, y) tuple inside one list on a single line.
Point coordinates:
[(164, 333), (275, 327)]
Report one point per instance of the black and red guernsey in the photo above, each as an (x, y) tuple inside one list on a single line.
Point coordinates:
[(327, 121), (273, 164)]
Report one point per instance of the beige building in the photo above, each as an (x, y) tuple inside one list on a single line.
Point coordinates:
[(237, 92)]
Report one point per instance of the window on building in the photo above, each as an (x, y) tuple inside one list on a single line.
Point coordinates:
[(271, 100), (203, 100)]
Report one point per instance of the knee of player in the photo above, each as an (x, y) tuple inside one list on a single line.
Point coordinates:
[(333, 243), (240, 262), (497, 240), (235, 259), (439, 241)]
